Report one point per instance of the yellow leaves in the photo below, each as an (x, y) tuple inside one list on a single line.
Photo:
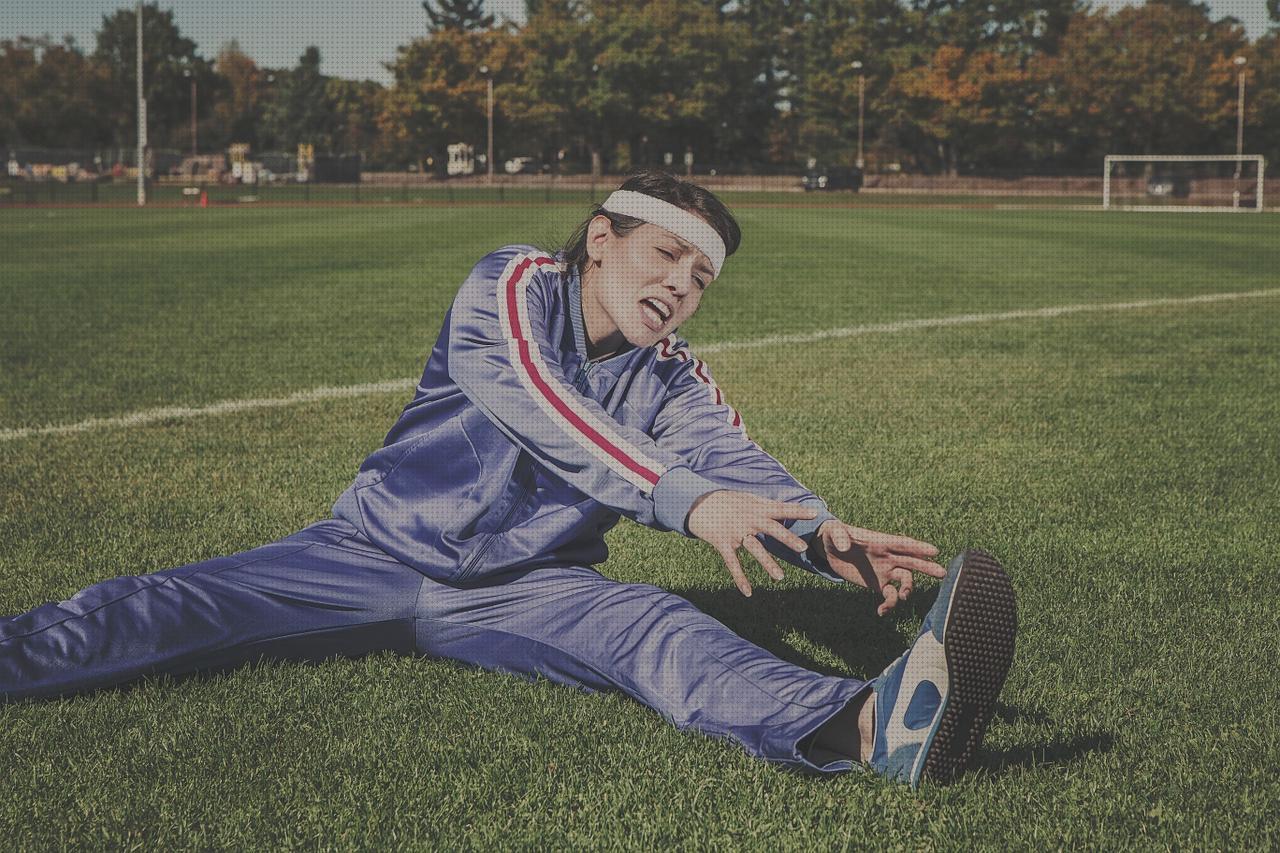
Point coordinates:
[(961, 80)]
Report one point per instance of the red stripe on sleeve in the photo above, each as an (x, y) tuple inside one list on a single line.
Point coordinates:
[(548, 391)]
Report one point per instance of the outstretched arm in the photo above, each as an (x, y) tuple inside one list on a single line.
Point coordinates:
[(752, 512)]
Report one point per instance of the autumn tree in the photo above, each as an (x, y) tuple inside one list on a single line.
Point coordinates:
[(1152, 79), (551, 97), (964, 107)]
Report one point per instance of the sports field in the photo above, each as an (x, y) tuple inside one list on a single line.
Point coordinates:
[(1123, 462)]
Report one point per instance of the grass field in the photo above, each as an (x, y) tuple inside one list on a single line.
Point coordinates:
[(122, 193), (1123, 464)]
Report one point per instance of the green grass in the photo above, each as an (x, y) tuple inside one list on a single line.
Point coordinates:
[(1124, 466), (123, 193)]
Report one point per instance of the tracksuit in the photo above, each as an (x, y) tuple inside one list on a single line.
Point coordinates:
[(472, 533)]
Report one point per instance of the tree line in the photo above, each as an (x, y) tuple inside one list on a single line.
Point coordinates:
[(949, 86)]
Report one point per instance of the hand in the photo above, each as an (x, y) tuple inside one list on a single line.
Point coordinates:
[(878, 560), (728, 520)]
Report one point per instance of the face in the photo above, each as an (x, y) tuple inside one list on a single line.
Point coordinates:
[(640, 287)]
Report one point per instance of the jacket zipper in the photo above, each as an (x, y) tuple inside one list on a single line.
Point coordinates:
[(580, 381), (473, 563)]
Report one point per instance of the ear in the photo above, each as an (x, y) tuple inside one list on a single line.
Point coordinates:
[(599, 231)]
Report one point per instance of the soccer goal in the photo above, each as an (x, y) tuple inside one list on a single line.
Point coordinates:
[(1183, 182)]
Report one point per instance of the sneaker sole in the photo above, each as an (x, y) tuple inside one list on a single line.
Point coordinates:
[(978, 640)]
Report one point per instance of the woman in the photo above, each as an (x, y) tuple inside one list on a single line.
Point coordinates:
[(557, 399)]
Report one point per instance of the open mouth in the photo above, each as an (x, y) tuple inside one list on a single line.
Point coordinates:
[(656, 312)]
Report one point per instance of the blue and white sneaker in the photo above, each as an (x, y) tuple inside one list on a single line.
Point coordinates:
[(933, 704)]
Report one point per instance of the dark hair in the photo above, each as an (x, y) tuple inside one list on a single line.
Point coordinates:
[(683, 194)]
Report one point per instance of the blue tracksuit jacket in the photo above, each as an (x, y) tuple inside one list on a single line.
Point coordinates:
[(518, 452)]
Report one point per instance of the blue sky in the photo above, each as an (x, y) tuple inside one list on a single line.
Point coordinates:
[(354, 38)]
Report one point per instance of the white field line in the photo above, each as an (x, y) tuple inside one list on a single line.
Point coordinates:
[(966, 319), (225, 407)]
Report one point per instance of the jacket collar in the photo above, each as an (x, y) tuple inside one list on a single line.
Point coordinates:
[(615, 363)]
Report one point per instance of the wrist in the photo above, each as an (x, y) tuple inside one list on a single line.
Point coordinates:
[(675, 495)]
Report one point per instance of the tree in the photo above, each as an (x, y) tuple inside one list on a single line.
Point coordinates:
[(457, 15), (546, 97), (629, 81), (967, 105), (672, 72), (769, 108), (237, 113), (353, 109), (1262, 103), (1024, 27), (297, 109), (51, 95), (167, 54), (1145, 80), (438, 96), (819, 100)]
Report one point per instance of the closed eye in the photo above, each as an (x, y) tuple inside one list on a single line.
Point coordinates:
[(702, 284)]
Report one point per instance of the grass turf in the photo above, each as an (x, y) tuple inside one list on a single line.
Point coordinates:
[(1123, 466), (123, 193)]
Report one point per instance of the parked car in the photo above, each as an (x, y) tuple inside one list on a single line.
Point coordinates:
[(1169, 186), (517, 165), (833, 178)]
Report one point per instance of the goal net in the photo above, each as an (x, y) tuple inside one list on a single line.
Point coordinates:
[(1186, 182)]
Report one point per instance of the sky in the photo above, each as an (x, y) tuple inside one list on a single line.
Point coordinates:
[(355, 38)]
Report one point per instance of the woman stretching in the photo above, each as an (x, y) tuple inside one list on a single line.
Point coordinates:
[(557, 399)]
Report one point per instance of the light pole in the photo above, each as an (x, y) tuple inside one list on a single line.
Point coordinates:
[(1240, 63), (484, 69), (186, 72), (856, 65), (142, 116), (597, 167)]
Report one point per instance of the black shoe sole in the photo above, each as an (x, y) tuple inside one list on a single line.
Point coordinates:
[(978, 641)]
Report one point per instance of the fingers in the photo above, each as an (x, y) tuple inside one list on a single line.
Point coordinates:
[(729, 520), (890, 593), (924, 567), (757, 550), (893, 594), (906, 582), (785, 536), (890, 542), (762, 556), (735, 569)]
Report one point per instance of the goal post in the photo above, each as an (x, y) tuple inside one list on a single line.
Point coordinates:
[(1193, 183)]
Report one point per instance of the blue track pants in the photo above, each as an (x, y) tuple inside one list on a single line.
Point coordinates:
[(326, 591)]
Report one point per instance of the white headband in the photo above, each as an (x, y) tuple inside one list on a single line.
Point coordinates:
[(680, 222)]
